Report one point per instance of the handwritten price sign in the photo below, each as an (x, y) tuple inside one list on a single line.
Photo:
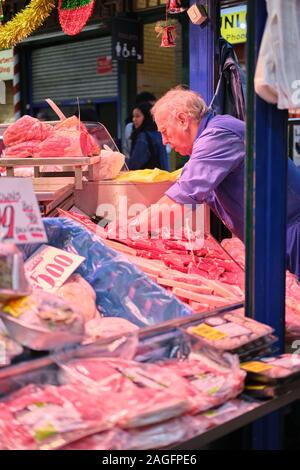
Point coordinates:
[(20, 219), (48, 268)]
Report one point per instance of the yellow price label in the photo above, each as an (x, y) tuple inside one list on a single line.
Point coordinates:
[(255, 387), (208, 332), (255, 366), (18, 306)]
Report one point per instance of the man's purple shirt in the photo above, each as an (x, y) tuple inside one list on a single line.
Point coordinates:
[(214, 173)]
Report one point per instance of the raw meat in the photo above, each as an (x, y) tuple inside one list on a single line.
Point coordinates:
[(147, 393), (80, 293), (26, 129), (22, 149), (49, 417), (106, 327), (70, 138)]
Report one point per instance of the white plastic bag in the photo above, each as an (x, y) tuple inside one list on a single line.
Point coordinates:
[(110, 165), (277, 76)]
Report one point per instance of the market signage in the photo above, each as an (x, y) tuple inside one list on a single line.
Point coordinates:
[(234, 24), (6, 65), (127, 40), (20, 218)]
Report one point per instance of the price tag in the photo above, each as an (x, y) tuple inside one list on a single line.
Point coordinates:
[(208, 332), (20, 218), (255, 366), (48, 268)]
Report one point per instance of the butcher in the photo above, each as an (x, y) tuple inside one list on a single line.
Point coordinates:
[(214, 173)]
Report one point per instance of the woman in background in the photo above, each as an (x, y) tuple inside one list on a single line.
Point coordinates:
[(147, 149)]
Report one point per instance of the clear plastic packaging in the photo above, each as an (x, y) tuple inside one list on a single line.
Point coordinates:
[(122, 290), (273, 370), (8, 347), (229, 332), (13, 282), (43, 321)]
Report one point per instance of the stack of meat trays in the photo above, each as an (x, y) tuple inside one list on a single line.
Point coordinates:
[(232, 332), (269, 377)]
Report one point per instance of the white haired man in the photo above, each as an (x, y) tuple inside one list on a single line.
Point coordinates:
[(214, 173)]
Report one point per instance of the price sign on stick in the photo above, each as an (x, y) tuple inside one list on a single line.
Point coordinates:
[(48, 268), (20, 218)]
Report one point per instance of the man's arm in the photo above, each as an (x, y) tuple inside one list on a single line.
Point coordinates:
[(166, 213)]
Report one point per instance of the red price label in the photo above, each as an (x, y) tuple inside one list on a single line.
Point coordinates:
[(7, 222)]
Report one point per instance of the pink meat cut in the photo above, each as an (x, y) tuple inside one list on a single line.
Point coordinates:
[(26, 129)]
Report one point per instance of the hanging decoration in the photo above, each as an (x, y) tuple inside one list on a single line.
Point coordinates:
[(174, 6), (74, 14), (25, 22), (168, 36), (167, 30)]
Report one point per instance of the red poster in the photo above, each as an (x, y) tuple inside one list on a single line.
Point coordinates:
[(104, 65)]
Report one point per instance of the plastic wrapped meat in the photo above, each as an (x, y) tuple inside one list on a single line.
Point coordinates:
[(148, 393), (281, 367), (26, 129), (8, 347), (80, 293), (211, 385), (106, 327), (13, 282), (148, 437), (229, 332), (114, 439), (43, 321), (49, 417), (228, 411)]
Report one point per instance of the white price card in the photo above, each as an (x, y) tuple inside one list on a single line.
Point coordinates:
[(48, 268), (20, 218)]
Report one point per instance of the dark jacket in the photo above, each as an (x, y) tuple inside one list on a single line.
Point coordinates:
[(148, 152), (231, 88)]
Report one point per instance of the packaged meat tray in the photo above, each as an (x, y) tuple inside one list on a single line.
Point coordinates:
[(273, 370), (43, 321), (149, 393), (49, 417), (231, 332)]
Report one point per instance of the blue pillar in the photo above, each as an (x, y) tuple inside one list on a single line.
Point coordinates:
[(202, 52), (265, 231), (266, 172)]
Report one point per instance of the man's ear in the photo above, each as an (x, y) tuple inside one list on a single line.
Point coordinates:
[(183, 119)]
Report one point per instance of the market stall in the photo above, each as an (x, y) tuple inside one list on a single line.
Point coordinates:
[(155, 328)]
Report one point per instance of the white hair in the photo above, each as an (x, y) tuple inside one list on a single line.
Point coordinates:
[(180, 100)]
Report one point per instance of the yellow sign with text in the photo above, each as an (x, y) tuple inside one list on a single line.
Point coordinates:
[(234, 24)]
